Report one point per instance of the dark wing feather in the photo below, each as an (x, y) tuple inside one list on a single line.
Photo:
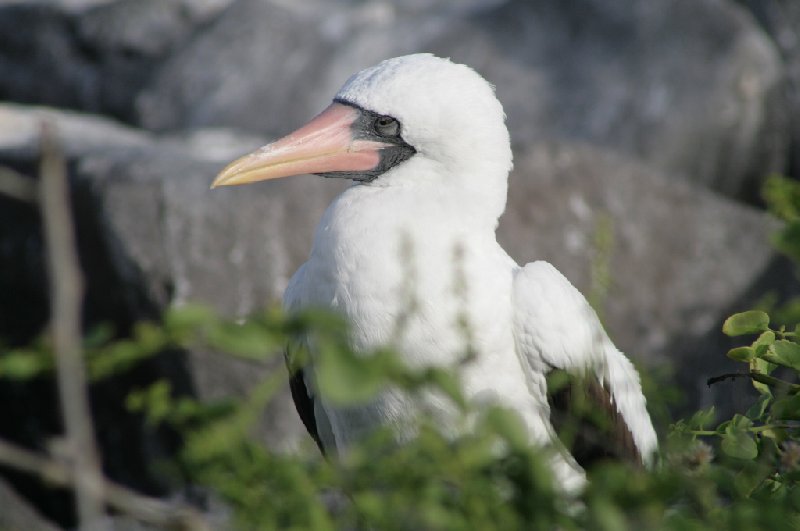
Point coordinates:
[(302, 399), (305, 406), (588, 422)]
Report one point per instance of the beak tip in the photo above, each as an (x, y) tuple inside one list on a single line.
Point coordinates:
[(221, 179)]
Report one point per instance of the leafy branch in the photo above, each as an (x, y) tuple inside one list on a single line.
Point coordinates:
[(776, 415)]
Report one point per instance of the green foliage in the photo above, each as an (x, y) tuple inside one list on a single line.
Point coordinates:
[(440, 482), (21, 364), (759, 438), (477, 474), (783, 197), (758, 467), (487, 477)]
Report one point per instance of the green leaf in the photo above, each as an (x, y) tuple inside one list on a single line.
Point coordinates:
[(149, 336), (509, 426), (181, 319), (448, 382), (784, 352), (246, 340), (98, 335), (702, 418), (116, 358), (762, 344), (764, 367), (606, 516), (756, 411), (739, 444), (557, 380), (346, 379), (782, 196), (788, 239), (739, 423), (22, 365), (750, 322), (786, 408), (723, 427), (744, 354), (154, 401)]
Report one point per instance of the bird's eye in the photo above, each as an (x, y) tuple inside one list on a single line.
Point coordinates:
[(387, 126)]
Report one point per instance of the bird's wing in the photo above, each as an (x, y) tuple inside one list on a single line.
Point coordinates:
[(556, 328), (303, 401), (300, 376)]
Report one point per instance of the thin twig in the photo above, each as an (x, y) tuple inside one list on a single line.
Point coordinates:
[(787, 425), (756, 376), (66, 294), (145, 509), (17, 186)]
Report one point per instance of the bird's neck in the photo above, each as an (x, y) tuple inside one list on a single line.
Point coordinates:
[(378, 247), (459, 194), (415, 208)]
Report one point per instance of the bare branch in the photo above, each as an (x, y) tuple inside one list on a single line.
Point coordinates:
[(758, 377), (17, 186), (66, 293), (145, 509)]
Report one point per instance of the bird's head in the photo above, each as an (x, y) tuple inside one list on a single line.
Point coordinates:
[(408, 119)]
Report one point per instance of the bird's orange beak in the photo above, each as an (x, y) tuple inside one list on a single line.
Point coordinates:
[(325, 144)]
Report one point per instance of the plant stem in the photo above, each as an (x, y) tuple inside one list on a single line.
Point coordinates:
[(781, 426), (754, 429), (758, 377), (66, 294), (145, 509), (17, 186)]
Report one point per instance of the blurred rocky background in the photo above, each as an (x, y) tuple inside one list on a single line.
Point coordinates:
[(642, 133)]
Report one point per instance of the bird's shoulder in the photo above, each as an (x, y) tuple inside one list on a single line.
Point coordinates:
[(545, 283), (552, 319), (294, 295)]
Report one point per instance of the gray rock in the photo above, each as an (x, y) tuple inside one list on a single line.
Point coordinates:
[(81, 135), (143, 28), (91, 55), (781, 19), (249, 69), (69, 6), (40, 61), (78, 134), (690, 87), (266, 64)]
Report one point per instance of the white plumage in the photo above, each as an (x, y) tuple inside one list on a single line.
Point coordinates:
[(426, 211)]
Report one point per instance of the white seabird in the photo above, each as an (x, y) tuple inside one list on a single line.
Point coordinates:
[(426, 144)]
